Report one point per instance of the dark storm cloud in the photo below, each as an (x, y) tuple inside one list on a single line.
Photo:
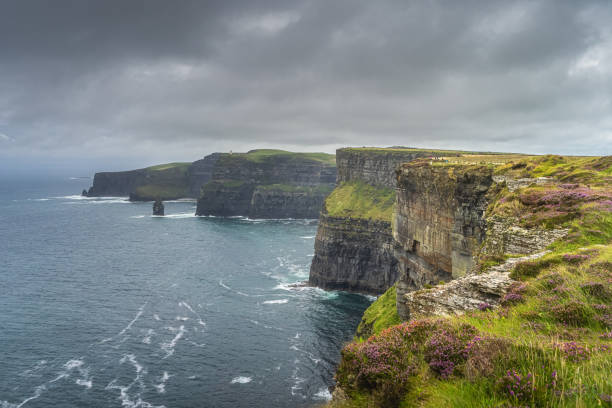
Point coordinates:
[(178, 79)]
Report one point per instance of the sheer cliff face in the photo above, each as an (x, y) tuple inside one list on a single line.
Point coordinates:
[(375, 167), (274, 169), (439, 217), (200, 173), (439, 222), (354, 253), (273, 186)]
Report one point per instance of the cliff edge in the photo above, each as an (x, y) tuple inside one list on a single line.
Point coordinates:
[(505, 288)]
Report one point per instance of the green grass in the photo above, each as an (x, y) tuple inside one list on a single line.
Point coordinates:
[(382, 313), (177, 165), (571, 169), (356, 199), (261, 155)]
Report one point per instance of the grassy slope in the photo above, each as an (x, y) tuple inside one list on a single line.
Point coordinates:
[(168, 181), (550, 341), (381, 314), (265, 154), (183, 166), (360, 200)]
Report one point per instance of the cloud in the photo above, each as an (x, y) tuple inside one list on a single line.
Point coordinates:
[(4, 138), (177, 80)]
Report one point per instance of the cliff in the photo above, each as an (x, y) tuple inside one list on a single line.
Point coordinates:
[(506, 266), (439, 222), (354, 246), (261, 183), (268, 184), (166, 181)]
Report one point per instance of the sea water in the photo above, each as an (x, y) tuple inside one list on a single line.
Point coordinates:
[(104, 305)]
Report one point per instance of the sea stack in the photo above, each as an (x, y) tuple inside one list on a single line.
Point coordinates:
[(84, 193), (158, 207)]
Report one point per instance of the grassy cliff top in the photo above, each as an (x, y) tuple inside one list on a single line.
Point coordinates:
[(574, 169), (401, 150), (356, 199), (261, 155), (167, 166)]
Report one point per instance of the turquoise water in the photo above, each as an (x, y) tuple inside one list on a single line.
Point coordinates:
[(102, 305)]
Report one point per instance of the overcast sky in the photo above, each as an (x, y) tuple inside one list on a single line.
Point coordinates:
[(112, 84)]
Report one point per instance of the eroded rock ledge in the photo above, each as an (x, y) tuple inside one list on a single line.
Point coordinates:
[(463, 294)]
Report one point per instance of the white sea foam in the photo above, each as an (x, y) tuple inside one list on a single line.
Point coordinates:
[(275, 302), (323, 394), (186, 305), (308, 237), (132, 359), (70, 364), (156, 316), (181, 215), (181, 318), (169, 347), (161, 387), (147, 338), (138, 216), (129, 326), (233, 290), (127, 400), (85, 383), (241, 380), (37, 393)]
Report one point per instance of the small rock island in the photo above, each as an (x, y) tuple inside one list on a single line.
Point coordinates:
[(158, 207)]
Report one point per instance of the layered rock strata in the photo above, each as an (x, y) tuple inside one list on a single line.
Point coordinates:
[(354, 253), (441, 226), (439, 221), (282, 185)]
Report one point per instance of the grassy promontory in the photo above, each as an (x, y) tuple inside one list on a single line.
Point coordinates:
[(549, 342)]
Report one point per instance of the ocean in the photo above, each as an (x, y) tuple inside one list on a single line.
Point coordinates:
[(104, 305)]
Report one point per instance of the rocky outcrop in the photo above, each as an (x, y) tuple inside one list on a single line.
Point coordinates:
[(463, 294), (158, 208), (353, 254), (506, 236), (268, 184)]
